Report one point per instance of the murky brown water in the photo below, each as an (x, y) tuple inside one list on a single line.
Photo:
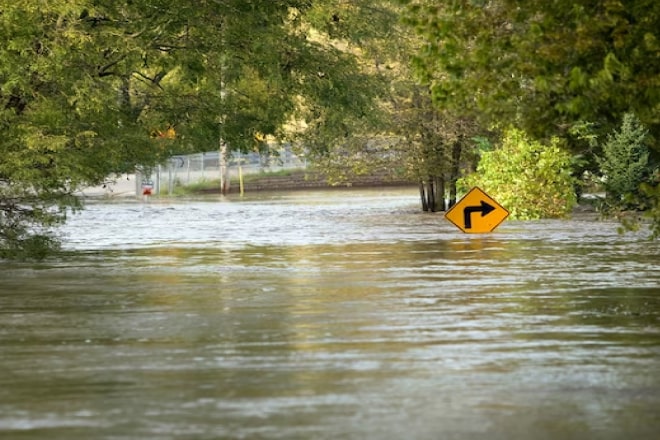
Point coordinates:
[(330, 315)]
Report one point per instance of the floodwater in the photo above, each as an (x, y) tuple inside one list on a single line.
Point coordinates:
[(329, 315)]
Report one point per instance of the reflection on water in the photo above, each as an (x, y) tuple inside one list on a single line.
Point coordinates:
[(330, 315)]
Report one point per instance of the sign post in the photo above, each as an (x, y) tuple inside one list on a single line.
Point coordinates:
[(476, 213)]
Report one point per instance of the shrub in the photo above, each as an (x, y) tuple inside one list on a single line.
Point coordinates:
[(529, 179)]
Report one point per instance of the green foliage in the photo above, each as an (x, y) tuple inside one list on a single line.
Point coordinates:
[(25, 219), (23, 245), (69, 118), (528, 178), (543, 65), (625, 165), (339, 93), (86, 86), (652, 194)]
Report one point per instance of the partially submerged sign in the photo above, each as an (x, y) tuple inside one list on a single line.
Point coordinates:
[(476, 213)]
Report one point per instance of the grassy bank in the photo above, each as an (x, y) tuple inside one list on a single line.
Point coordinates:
[(285, 180)]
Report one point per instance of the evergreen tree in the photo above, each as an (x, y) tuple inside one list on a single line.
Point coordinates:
[(625, 164)]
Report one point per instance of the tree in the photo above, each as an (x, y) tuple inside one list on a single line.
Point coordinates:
[(423, 143), (435, 146), (65, 121), (339, 101), (630, 178), (405, 134), (357, 139), (547, 64), (625, 165)]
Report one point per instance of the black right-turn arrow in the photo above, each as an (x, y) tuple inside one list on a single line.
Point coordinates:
[(484, 209)]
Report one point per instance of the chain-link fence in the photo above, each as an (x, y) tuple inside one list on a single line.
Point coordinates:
[(191, 169)]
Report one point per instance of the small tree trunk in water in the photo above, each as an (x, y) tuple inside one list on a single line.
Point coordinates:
[(440, 197), (430, 195), (455, 170), (452, 193), (422, 195)]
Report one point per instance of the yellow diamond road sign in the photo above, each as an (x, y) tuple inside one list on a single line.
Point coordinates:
[(476, 213)]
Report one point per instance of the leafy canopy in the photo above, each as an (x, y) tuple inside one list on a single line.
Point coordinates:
[(86, 86), (547, 65)]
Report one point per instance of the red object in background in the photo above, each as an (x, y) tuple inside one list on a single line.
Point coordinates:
[(146, 191)]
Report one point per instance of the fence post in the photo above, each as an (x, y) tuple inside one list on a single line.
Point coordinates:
[(138, 182)]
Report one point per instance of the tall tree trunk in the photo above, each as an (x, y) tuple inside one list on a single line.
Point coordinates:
[(430, 195), (440, 198), (452, 193), (224, 169), (422, 196), (455, 170)]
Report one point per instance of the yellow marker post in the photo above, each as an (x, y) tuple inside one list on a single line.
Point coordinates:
[(240, 173), (477, 213), (240, 179)]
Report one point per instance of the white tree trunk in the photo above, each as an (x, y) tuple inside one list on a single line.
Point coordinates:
[(224, 169)]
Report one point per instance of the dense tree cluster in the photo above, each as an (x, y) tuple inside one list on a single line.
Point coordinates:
[(548, 65), (554, 69)]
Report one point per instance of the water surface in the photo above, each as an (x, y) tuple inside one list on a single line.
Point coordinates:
[(329, 315)]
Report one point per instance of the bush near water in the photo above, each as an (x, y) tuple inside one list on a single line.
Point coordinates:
[(530, 179)]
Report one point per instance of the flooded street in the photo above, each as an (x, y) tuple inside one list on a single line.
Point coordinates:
[(329, 315)]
